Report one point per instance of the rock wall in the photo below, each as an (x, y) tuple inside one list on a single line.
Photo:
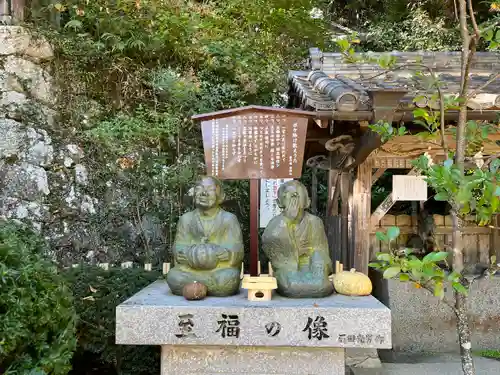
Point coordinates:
[(42, 174)]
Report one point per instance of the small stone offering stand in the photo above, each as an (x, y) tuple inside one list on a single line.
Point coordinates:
[(256, 331)]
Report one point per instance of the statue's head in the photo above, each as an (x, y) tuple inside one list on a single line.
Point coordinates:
[(208, 193), (293, 199)]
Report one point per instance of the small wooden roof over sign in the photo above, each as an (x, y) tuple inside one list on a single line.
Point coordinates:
[(332, 86), (254, 142)]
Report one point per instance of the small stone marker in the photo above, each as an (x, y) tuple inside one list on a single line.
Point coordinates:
[(409, 188), (260, 288)]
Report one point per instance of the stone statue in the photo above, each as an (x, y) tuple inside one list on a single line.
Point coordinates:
[(296, 245), (208, 245)]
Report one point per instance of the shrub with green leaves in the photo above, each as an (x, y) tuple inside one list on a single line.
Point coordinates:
[(424, 273), (37, 318), (97, 293)]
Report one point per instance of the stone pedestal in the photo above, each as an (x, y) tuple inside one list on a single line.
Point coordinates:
[(235, 336)]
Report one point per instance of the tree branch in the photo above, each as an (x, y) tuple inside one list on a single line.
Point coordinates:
[(482, 87), (477, 33)]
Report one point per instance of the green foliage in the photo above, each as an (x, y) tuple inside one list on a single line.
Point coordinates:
[(37, 318), (416, 32), (386, 130), (423, 273), (452, 186), (97, 293), (475, 192), (495, 354), (146, 67)]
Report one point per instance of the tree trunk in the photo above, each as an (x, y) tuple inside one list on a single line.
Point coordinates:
[(464, 334), (463, 328)]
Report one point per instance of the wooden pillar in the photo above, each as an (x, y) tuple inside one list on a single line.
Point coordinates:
[(254, 226), (346, 219), (495, 238), (314, 191), (362, 211)]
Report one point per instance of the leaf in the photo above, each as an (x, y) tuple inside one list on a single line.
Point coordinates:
[(343, 44), (375, 265), (93, 290), (404, 277), (438, 289), (393, 233), (89, 298), (454, 276), (381, 236), (493, 259), (37, 371), (460, 288), (385, 257), (391, 272), (74, 24), (442, 196), (420, 112), (497, 191), (415, 263), (439, 256)]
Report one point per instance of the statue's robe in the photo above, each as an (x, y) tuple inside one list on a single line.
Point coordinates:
[(222, 232), (289, 248)]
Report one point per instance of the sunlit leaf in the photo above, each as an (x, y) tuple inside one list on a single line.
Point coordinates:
[(438, 289), (393, 233), (439, 256), (442, 196), (404, 277), (460, 288), (385, 257), (381, 236), (391, 272)]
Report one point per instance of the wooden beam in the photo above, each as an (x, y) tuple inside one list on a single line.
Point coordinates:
[(495, 237), (386, 205), (322, 122), (345, 224), (378, 173), (362, 208)]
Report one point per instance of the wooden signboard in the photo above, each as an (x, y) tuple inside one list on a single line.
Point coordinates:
[(254, 145), (409, 188)]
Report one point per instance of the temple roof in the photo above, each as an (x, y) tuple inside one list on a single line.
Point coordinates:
[(331, 84)]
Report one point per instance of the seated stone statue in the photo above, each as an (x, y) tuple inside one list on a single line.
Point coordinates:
[(296, 245), (208, 245)]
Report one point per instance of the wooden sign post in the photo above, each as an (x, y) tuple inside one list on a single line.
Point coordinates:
[(254, 143)]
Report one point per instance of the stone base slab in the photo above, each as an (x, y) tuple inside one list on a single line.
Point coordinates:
[(256, 360), (155, 316)]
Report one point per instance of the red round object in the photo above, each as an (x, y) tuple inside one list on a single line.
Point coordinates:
[(194, 291)]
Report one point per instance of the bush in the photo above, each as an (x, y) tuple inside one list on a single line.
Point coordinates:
[(417, 32), (97, 293), (37, 318)]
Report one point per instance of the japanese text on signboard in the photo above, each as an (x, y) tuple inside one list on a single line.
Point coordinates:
[(255, 145)]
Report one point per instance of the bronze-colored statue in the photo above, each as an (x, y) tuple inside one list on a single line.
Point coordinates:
[(295, 242), (208, 246)]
